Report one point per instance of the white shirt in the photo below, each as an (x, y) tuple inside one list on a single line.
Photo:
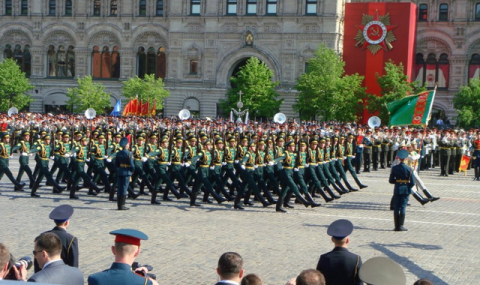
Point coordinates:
[(228, 282), (50, 262)]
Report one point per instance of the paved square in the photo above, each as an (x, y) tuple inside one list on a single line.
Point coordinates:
[(442, 243)]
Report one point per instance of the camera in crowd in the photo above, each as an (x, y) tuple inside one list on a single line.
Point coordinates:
[(136, 265), (26, 261)]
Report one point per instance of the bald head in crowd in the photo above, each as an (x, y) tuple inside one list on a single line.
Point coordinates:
[(310, 277), (251, 279)]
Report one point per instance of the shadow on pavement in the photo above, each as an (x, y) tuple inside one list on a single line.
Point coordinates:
[(406, 263)]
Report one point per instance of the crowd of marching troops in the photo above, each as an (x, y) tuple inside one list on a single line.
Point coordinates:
[(276, 163)]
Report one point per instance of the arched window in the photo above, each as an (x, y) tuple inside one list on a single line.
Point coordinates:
[(159, 8), (443, 12), (52, 8), (96, 7), (113, 8), (477, 11), (8, 7), (142, 9), (433, 71), (21, 56), (61, 61), (68, 8), (106, 63), (24, 8), (151, 61), (474, 66), (423, 12)]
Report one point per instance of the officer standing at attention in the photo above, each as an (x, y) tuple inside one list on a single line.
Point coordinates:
[(402, 177), (125, 168), (61, 216), (340, 266), (126, 249)]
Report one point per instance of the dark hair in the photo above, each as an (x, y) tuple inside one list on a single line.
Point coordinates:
[(49, 242), (230, 264), (251, 279), (423, 281), (4, 255), (310, 277)]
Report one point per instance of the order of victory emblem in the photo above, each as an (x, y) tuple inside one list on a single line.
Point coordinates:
[(375, 33)]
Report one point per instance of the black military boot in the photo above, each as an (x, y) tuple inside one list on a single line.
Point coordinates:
[(359, 183), (422, 200), (430, 196), (330, 192), (401, 221), (279, 207), (349, 187)]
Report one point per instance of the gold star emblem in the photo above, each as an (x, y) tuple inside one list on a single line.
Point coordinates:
[(375, 33)]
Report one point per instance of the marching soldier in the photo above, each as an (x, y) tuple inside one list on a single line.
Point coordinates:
[(5, 153), (97, 157), (139, 158), (80, 152), (248, 164), (62, 150), (367, 153), (23, 146), (125, 167), (44, 154), (376, 148)]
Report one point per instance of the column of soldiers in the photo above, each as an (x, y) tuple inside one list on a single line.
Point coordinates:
[(277, 163)]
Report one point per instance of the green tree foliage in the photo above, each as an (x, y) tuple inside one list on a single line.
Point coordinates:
[(13, 86), (88, 95), (325, 91), (467, 104), (147, 89), (259, 96), (395, 85)]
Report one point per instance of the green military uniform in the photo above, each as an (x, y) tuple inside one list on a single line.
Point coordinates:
[(5, 152), (23, 147)]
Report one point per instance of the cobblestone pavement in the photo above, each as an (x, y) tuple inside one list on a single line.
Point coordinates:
[(185, 243)]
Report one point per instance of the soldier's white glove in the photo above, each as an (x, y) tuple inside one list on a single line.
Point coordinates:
[(109, 160), (24, 154), (11, 156), (106, 156), (270, 163), (74, 155), (212, 167), (255, 166), (316, 164), (169, 163), (353, 157), (307, 165), (187, 164), (52, 157), (30, 154), (224, 163), (236, 161), (144, 159), (295, 169), (344, 157), (87, 160), (243, 167)]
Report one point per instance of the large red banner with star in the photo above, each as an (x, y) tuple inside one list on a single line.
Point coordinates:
[(374, 33)]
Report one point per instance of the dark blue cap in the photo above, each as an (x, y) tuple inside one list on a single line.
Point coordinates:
[(61, 213), (129, 236), (340, 229), (402, 154), (123, 142)]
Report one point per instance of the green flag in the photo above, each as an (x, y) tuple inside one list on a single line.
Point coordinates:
[(411, 110)]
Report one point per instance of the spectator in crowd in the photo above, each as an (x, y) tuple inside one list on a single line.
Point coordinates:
[(382, 270), (126, 249), (310, 277), (251, 279), (423, 281), (47, 252), (230, 269), (20, 273), (440, 121), (61, 216), (340, 266)]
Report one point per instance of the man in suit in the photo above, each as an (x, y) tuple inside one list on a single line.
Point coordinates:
[(402, 177), (230, 269), (126, 249), (340, 266), (61, 216), (47, 253)]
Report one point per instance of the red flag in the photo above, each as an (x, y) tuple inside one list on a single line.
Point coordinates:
[(145, 109), (153, 112), (133, 107), (126, 110), (139, 108)]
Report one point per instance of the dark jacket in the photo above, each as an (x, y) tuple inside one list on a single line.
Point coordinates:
[(118, 274), (58, 273), (340, 267)]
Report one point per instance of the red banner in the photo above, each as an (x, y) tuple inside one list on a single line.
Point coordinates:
[(420, 108), (464, 163), (374, 34)]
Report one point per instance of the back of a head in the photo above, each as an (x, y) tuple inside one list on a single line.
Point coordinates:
[(49, 242), (310, 277), (4, 255), (423, 281), (251, 279), (230, 264)]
